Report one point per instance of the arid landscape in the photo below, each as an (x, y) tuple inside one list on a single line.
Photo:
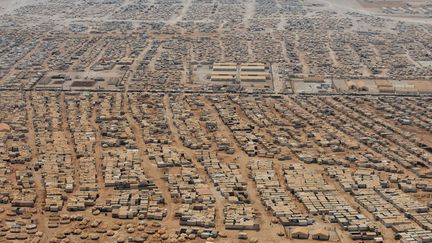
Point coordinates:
[(216, 121)]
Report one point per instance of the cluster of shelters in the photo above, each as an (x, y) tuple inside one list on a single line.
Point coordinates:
[(149, 112), (26, 195), (251, 140), (121, 160), (188, 125), (274, 197), (167, 156), (404, 111), (344, 115), (407, 217), (80, 122), (14, 149), (238, 212), (144, 204), (197, 201), (55, 155), (413, 209), (321, 198)]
